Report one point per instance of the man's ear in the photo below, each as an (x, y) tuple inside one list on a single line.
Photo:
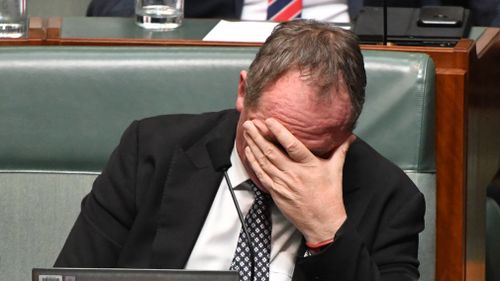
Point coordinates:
[(240, 99)]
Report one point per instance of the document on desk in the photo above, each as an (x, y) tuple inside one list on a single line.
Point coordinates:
[(240, 31)]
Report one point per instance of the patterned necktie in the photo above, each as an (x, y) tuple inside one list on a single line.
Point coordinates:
[(258, 222), (283, 10)]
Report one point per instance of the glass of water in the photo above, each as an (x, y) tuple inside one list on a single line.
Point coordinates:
[(13, 18), (159, 14)]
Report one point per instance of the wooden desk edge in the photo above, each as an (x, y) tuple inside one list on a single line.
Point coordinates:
[(486, 40), (142, 42)]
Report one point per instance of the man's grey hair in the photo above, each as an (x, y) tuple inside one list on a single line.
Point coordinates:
[(329, 57)]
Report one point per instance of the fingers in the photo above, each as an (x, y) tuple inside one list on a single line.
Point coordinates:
[(263, 160), (264, 151), (295, 149), (259, 172)]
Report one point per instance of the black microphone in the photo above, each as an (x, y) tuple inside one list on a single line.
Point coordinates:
[(220, 158)]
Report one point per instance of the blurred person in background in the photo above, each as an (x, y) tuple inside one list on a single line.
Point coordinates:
[(341, 11), (483, 12)]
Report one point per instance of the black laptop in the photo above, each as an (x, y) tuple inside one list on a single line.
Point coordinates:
[(120, 274)]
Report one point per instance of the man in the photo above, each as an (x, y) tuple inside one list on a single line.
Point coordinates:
[(339, 210), (485, 12), (324, 10)]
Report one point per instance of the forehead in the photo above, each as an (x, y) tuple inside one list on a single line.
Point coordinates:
[(319, 120)]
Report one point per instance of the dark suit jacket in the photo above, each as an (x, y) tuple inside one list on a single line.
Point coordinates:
[(229, 9), (148, 206)]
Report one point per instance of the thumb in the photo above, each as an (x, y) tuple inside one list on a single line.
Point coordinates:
[(338, 158)]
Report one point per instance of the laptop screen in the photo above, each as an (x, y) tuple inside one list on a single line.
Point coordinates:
[(120, 274)]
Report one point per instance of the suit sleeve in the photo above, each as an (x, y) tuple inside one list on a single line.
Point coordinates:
[(111, 8), (107, 212), (393, 256)]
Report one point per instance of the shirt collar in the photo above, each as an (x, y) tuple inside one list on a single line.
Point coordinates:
[(237, 172)]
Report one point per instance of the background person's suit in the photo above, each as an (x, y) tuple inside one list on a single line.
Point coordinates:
[(149, 205), (229, 9)]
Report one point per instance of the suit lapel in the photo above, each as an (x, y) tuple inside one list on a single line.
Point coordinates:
[(189, 191)]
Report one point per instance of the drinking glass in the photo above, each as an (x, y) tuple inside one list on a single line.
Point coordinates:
[(159, 14), (13, 18)]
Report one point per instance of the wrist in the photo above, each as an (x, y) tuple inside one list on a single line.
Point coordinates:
[(325, 231), (318, 246)]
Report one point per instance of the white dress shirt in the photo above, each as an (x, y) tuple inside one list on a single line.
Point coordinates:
[(216, 244), (322, 10)]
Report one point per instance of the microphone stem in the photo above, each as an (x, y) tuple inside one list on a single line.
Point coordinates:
[(242, 220), (238, 209)]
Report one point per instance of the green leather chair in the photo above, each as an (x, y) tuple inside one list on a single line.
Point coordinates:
[(63, 109)]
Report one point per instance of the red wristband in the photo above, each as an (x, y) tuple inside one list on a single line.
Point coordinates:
[(319, 245)]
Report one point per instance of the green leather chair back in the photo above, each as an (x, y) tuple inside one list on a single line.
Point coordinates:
[(63, 109)]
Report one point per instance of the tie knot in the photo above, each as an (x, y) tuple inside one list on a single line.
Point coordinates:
[(259, 194)]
